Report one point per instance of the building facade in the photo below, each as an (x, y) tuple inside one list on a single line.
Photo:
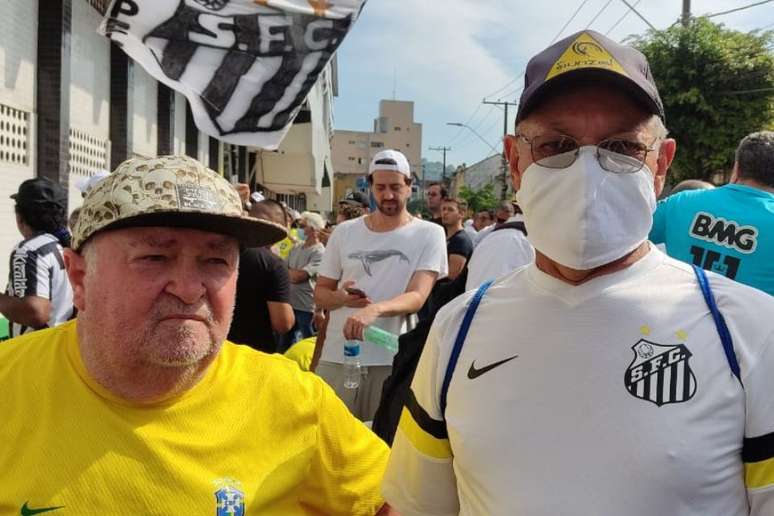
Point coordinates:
[(491, 170), (394, 128), (299, 172), (72, 103)]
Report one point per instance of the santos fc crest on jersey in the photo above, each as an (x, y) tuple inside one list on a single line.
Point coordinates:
[(661, 374)]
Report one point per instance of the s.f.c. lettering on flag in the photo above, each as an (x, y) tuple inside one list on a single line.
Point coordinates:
[(246, 66)]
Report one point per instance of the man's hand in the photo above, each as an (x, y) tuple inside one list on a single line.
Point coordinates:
[(357, 322), (243, 190), (351, 300), (318, 319)]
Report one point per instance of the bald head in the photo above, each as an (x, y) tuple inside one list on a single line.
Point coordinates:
[(270, 210)]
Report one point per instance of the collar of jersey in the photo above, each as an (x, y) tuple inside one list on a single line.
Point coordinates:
[(750, 190), (576, 294), (74, 355)]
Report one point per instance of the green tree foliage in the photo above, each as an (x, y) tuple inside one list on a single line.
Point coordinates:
[(481, 199), (717, 86)]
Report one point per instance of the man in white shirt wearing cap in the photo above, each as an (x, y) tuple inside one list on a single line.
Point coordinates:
[(376, 270), (606, 378)]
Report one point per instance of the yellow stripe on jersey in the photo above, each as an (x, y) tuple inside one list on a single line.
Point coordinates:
[(758, 458), (759, 474), (423, 441)]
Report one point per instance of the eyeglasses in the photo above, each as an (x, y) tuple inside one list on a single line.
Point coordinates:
[(616, 155)]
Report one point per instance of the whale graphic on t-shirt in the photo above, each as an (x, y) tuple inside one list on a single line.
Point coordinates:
[(367, 258)]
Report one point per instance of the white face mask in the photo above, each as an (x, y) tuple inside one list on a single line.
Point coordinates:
[(583, 216)]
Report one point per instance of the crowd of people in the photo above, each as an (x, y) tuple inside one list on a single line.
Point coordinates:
[(564, 353)]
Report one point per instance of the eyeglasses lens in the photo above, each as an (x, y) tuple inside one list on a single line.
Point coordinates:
[(615, 155)]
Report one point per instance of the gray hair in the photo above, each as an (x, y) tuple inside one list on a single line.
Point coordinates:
[(313, 219), (755, 158), (654, 125), (657, 128)]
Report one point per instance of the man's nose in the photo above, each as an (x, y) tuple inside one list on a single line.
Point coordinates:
[(186, 283)]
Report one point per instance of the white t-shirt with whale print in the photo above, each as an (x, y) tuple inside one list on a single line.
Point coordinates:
[(381, 265)]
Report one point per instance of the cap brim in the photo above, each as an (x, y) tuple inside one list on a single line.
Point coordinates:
[(592, 76), (249, 231)]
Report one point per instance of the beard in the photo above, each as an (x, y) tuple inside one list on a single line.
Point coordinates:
[(179, 342), (391, 208)]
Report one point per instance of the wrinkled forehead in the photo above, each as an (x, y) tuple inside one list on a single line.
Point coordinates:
[(584, 109), (164, 238), (387, 178)]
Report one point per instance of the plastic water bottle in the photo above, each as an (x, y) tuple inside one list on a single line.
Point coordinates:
[(378, 336), (352, 368)]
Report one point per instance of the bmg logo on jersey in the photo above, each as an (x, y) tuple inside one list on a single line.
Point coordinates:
[(728, 233), (660, 374)]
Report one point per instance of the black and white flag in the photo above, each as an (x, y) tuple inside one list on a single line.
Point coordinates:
[(246, 66)]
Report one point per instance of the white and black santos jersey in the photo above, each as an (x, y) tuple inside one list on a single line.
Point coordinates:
[(37, 269)]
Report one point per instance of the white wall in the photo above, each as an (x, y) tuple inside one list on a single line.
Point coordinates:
[(203, 149), (179, 142), (18, 51), (144, 112), (89, 98)]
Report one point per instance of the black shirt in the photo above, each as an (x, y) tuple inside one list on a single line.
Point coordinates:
[(460, 243), (262, 277)]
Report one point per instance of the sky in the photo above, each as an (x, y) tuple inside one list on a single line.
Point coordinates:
[(448, 55)]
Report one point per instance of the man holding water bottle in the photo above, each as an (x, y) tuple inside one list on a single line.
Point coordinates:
[(377, 270)]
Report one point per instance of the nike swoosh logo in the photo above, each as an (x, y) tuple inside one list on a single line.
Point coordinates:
[(26, 511), (474, 373)]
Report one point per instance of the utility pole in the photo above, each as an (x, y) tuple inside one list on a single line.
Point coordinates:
[(444, 150), (686, 17), (505, 105)]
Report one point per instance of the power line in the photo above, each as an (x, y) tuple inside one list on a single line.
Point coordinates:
[(743, 92), (584, 2), (487, 130), (512, 93), (622, 18), (630, 6), (462, 129), (506, 85), (599, 13), (467, 134), (756, 4), (444, 150), (515, 79)]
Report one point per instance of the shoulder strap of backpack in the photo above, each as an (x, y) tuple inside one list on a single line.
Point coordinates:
[(517, 225), (460, 341), (720, 322)]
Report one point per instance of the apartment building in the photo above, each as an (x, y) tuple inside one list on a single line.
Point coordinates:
[(394, 128)]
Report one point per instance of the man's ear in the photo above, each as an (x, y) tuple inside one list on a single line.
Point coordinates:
[(734, 174), (666, 154), (75, 264), (512, 156)]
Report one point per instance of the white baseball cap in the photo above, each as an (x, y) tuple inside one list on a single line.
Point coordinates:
[(84, 184), (390, 160)]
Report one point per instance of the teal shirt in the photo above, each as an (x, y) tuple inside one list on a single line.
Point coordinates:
[(729, 230)]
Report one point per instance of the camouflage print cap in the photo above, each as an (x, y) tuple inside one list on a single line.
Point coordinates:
[(170, 191)]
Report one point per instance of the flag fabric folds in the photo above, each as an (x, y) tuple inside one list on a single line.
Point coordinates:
[(246, 66)]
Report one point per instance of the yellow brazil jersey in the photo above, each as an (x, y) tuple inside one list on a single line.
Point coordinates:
[(284, 247), (255, 436)]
